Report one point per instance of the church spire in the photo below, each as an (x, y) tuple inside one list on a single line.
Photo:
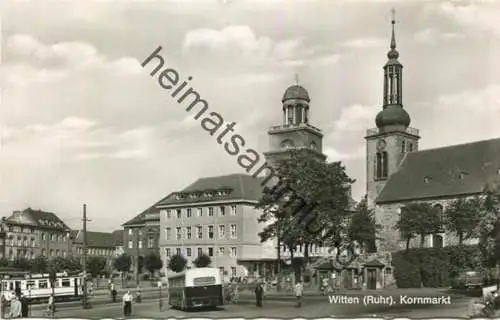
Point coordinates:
[(393, 72)]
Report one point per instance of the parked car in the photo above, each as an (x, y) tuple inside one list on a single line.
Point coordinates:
[(468, 280)]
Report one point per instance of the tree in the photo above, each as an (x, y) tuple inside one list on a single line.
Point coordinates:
[(21, 263), (418, 218), (308, 204), (153, 263), (202, 261), (4, 262), (96, 266), (60, 264), (122, 264), (39, 265), (362, 226), (463, 216), (177, 263)]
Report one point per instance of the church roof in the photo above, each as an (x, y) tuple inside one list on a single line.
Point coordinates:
[(296, 92), (447, 172)]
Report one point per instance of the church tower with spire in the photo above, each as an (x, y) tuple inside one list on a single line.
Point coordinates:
[(387, 144), (295, 132)]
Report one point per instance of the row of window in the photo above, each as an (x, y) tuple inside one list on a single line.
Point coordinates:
[(222, 211), (221, 251), (198, 232), (96, 251), (151, 243), (20, 242), (208, 194)]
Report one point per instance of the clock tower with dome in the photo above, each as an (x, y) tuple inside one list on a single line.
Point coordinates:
[(295, 132), (387, 144)]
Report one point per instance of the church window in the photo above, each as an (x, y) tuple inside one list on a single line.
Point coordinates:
[(403, 147), (385, 164), (440, 213), (382, 165)]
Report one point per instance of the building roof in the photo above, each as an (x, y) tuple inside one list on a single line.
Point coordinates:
[(140, 218), (447, 172), (39, 218), (237, 186), (118, 238), (94, 239)]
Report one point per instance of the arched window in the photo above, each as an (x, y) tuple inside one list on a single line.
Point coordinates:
[(403, 147), (381, 165), (440, 213)]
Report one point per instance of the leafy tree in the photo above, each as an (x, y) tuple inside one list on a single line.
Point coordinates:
[(362, 226), (39, 265), (202, 261), (153, 263), (308, 204), (21, 263), (488, 227), (418, 218), (122, 264), (463, 217), (60, 264), (177, 263), (4, 262), (96, 266)]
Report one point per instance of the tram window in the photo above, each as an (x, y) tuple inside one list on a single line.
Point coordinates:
[(11, 285), (42, 284), (30, 284), (66, 283), (4, 286)]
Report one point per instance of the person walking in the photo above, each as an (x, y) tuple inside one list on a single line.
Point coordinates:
[(24, 306), (299, 291), (259, 294), (127, 304), (113, 292), (138, 295), (51, 307), (15, 308)]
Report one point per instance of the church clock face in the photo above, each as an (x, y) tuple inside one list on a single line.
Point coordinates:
[(381, 144)]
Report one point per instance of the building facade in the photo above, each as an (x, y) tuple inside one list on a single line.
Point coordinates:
[(141, 237), (398, 173), (216, 216), (30, 233), (99, 244)]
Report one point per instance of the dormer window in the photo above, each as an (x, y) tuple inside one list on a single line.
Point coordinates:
[(193, 195), (427, 179)]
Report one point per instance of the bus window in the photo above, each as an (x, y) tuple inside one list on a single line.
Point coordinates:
[(204, 281), (42, 284), (66, 283)]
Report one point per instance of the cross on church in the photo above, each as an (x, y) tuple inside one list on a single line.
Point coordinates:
[(296, 79)]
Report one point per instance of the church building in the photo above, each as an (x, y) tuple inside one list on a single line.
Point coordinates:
[(398, 173)]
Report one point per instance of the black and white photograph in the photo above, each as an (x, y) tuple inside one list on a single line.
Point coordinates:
[(246, 159)]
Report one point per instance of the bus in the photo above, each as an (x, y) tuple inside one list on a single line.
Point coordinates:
[(38, 286), (195, 288)]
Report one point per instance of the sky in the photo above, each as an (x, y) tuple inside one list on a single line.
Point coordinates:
[(82, 122)]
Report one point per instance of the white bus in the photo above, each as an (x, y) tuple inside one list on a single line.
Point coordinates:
[(38, 286), (194, 288)]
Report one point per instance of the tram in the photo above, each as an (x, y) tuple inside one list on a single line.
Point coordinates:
[(38, 286)]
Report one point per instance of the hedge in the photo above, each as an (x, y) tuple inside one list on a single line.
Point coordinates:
[(432, 267)]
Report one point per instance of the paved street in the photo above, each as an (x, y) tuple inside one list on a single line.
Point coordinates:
[(285, 308)]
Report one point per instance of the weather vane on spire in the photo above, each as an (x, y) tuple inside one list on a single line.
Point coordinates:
[(296, 79)]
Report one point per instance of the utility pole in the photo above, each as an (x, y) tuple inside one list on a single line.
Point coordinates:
[(137, 253), (278, 278), (85, 300)]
